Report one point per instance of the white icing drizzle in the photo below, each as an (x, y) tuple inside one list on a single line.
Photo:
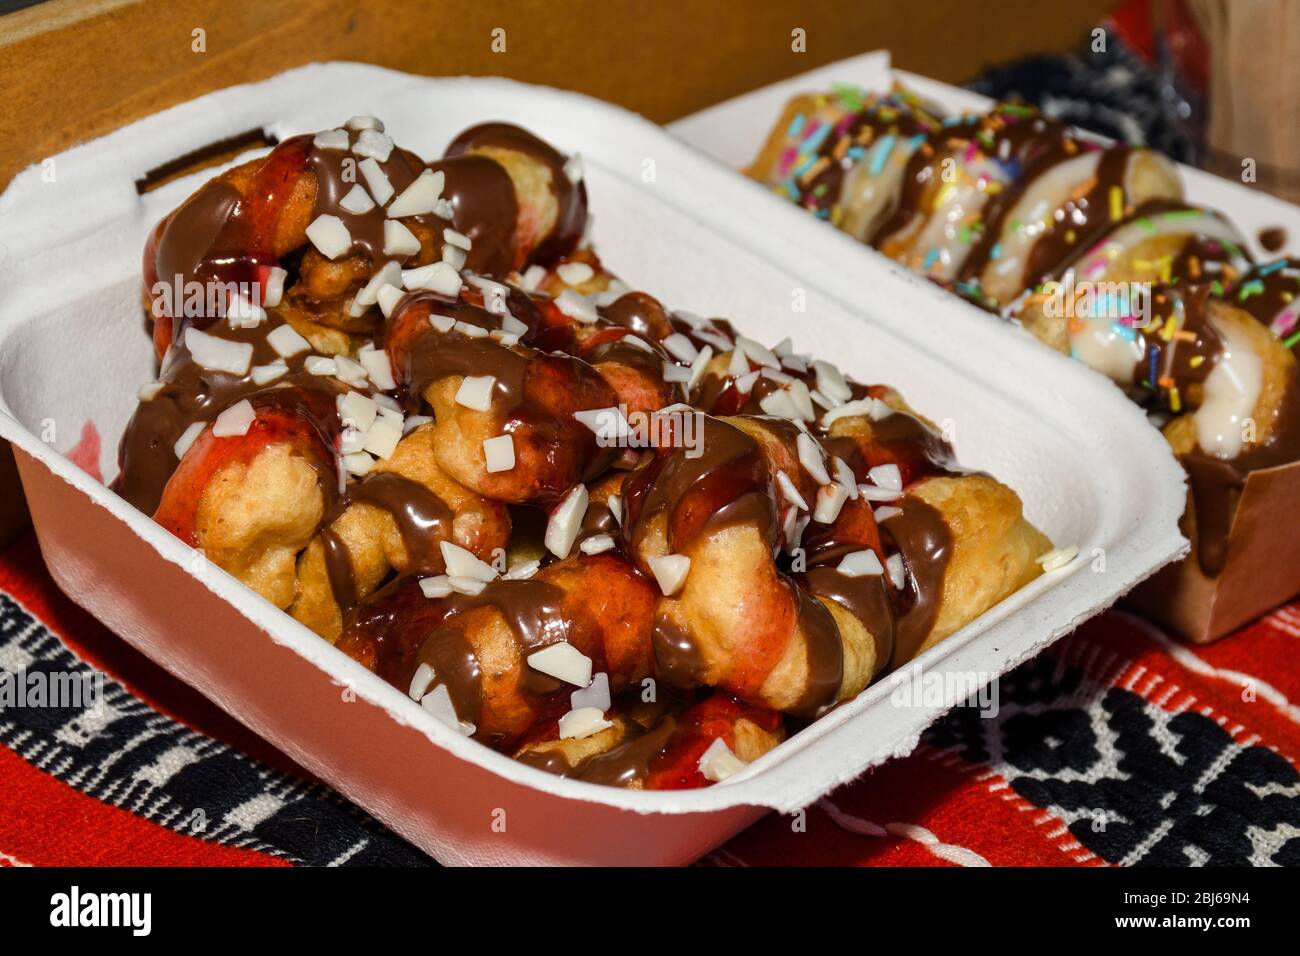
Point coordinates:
[(1096, 262), (1231, 392), (1029, 218), (938, 245)]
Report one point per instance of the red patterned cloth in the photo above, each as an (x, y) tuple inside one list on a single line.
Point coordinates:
[(1117, 746)]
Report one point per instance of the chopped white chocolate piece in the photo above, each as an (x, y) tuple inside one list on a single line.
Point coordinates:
[(897, 571), (349, 371), (376, 180), (887, 476), (330, 237), (499, 453), (574, 273), (680, 347), (830, 499), (470, 329), (738, 365), (564, 662), (1058, 558), (523, 570), (319, 365), (357, 463), (242, 314), (573, 168), (597, 544), (273, 287), (419, 198), (584, 722), (876, 493), (438, 703), (674, 373), (699, 367), (463, 563), (596, 694), (802, 401), (382, 438), (357, 201), (457, 239), (188, 438), (423, 675), (858, 563), (886, 512), (331, 139), (398, 240), (378, 367), (286, 341), (756, 353), (810, 456), (356, 410), (476, 392), (454, 257), (443, 323), (566, 521), (670, 571), (464, 585), (778, 403), (717, 763), (577, 307), (436, 277), (608, 424), (745, 384), (830, 381), (218, 354), (388, 297), (791, 491), (373, 144), (532, 278), (363, 121), (149, 390), (265, 374), (235, 420), (866, 407)]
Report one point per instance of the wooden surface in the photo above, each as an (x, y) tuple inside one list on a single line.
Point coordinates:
[(75, 69)]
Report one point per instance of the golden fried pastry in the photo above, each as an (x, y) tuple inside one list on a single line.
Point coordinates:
[(617, 542)]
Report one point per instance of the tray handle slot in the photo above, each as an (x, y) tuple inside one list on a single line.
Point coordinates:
[(213, 154)]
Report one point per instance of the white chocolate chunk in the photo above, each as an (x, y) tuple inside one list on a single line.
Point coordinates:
[(499, 453), (218, 354), (419, 198), (376, 180), (373, 144), (476, 392), (235, 420), (596, 694), (462, 563), (564, 662), (330, 237), (577, 724), (357, 201), (436, 277), (398, 240), (718, 763), (858, 563), (566, 521), (188, 438), (670, 572)]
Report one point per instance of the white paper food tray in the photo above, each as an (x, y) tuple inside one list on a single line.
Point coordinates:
[(73, 350)]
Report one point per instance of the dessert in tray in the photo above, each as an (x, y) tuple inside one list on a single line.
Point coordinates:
[(403, 401), (1091, 247)]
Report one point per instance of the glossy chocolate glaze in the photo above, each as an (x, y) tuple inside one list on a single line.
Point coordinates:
[(570, 197), (922, 537)]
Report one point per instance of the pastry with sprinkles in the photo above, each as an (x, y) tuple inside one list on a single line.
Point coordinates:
[(1091, 247), (405, 402)]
